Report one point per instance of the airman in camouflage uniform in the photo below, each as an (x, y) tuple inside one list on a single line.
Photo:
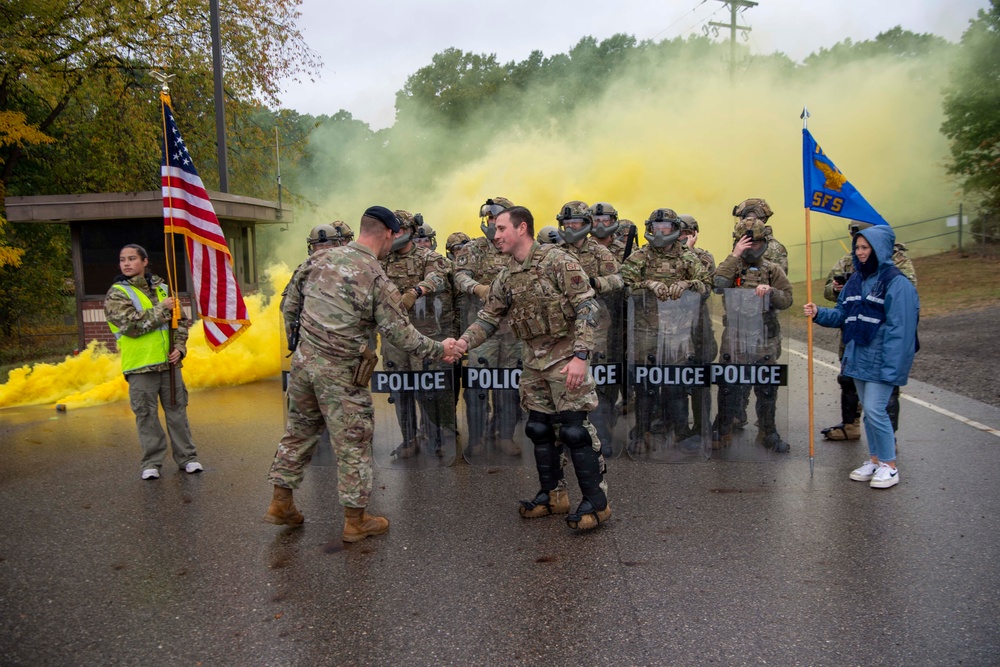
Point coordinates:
[(850, 406), (464, 315), (618, 245), (705, 344), (421, 276), (576, 224), (477, 263), (663, 269), (346, 296), (749, 210), (547, 299), (343, 233), (746, 268), (322, 237)]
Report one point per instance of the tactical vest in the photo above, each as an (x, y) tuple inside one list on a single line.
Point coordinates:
[(150, 348), (866, 314), (405, 271), (664, 267), (537, 307)]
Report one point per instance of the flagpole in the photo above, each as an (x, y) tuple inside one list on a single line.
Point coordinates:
[(170, 252), (809, 324)]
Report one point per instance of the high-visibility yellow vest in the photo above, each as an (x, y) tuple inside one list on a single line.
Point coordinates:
[(150, 348)]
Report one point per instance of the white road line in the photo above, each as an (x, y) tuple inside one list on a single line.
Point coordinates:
[(920, 402)]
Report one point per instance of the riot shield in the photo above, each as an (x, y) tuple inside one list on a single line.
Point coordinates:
[(668, 379), (751, 418), (490, 416), (607, 365), (414, 398)]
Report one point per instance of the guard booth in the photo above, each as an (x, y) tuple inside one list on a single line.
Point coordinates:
[(101, 224)]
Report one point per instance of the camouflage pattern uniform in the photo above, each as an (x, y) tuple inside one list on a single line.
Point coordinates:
[(745, 273), (150, 385), (646, 270), (550, 306), (346, 296), (747, 209), (479, 262), (776, 252), (417, 268), (850, 404), (617, 246), (600, 265)]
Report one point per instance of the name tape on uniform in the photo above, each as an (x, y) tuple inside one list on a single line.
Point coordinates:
[(384, 382), (703, 376)]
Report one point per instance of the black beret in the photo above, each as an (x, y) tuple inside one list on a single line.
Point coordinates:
[(383, 215)]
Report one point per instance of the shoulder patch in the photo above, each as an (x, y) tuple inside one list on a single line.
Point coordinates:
[(573, 266)]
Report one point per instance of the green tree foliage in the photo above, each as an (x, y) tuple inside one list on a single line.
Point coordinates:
[(79, 111), (78, 72), (37, 284), (972, 109), (895, 43)]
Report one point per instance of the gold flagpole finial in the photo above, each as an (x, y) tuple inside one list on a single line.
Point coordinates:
[(164, 80)]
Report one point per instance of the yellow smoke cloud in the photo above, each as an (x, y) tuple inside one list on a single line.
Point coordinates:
[(94, 376), (688, 139)]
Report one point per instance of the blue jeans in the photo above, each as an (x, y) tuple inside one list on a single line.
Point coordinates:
[(878, 427)]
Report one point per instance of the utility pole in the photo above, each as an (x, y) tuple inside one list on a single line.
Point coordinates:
[(734, 7)]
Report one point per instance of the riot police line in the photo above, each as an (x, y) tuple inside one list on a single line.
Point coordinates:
[(664, 386)]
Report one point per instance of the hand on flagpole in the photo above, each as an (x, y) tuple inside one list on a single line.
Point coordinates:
[(810, 310)]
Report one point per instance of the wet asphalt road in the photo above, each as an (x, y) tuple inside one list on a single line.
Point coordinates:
[(704, 563)]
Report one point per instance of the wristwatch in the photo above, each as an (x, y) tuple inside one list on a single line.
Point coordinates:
[(583, 354), (419, 290)]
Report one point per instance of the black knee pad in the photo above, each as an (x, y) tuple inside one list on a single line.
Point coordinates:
[(767, 392), (572, 433), (539, 428), (846, 383)]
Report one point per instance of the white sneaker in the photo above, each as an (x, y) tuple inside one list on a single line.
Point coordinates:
[(865, 472), (885, 477), (192, 467), (150, 473)]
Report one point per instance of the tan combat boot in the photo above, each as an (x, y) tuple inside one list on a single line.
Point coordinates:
[(590, 520), (406, 450), (282, 510), (359, 524), (842, 432), (509, 447), (555, 501)]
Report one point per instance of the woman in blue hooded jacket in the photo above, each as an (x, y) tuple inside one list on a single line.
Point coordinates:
[(878, 311)]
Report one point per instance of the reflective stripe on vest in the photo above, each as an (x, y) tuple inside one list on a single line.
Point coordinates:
[(150, 348)]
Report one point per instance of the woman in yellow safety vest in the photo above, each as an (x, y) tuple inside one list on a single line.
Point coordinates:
[(138, 309)]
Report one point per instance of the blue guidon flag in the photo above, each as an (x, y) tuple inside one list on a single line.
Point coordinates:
[(828, 191)]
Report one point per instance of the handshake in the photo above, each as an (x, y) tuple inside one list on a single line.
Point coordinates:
[(454, 349)]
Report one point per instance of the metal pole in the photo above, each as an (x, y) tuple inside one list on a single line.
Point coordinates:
[(960, 228), (220, 108)]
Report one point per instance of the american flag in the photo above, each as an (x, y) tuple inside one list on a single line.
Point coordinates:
[(187, 210)]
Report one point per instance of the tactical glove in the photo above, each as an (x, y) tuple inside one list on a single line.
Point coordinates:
[(678, 288), (661, 291), (409, 298), (482, 291)]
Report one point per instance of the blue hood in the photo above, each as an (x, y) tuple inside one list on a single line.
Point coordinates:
[(882, 240)]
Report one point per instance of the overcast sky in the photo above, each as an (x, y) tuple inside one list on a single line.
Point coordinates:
[(370, 48)]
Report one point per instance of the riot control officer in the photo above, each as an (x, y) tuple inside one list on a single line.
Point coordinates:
[(322, 237), (747, 268), (426, 237), (605, 225), (576, 227), (662, 270), (618, 246), (418, 273), (752, 209), (477, 264), (849, 427), (547, 299), (550, 234), (344, 235), (706, 346)]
